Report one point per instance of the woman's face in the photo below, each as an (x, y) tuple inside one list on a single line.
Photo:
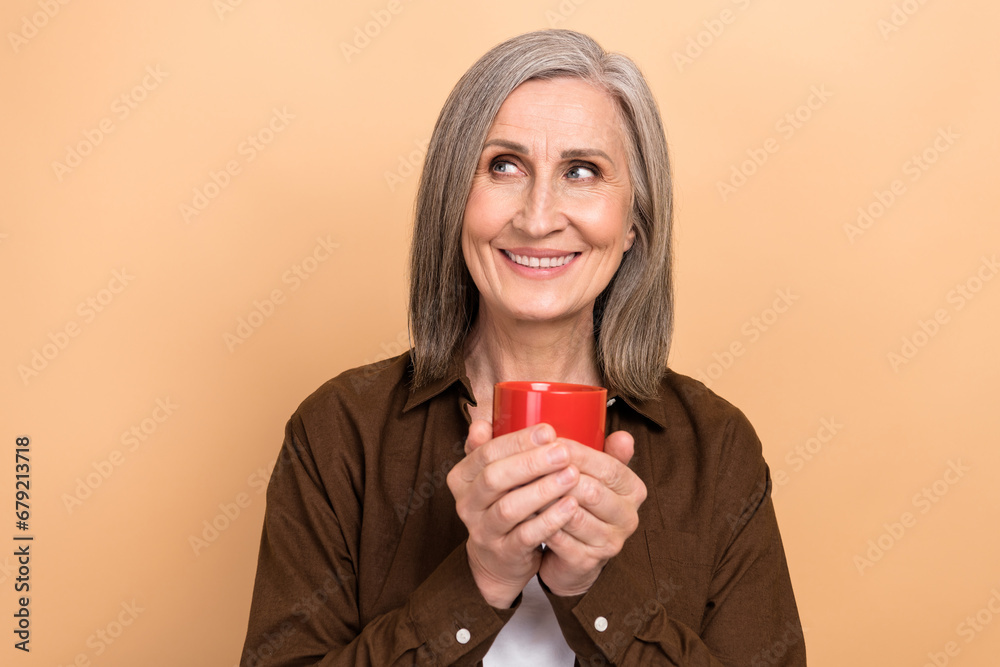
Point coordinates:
[(547, 219)]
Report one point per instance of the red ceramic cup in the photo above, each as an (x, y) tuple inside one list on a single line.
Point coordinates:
[(575, 411)]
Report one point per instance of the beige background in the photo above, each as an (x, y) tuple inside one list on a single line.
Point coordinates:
[(340, 135)]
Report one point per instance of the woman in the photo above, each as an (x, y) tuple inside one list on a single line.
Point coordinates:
[(399, 531)]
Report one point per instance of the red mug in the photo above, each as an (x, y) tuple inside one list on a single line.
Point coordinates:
[(575, 411)]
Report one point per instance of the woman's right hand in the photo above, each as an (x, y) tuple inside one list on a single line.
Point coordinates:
[(501, 489)]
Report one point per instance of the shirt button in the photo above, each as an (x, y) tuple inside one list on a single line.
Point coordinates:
[(463, 636), (601, 624)]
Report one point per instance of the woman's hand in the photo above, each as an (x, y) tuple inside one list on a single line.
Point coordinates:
[(504, 491), (608, 494)]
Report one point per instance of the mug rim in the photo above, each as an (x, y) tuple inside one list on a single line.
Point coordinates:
[(548, 388)]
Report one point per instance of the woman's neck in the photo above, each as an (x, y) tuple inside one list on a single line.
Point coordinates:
[(545, 351)]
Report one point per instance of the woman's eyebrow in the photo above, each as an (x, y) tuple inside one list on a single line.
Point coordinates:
[(509, 145), (584, 153)]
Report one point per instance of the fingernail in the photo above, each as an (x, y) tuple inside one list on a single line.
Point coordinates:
[(565, 476), (543, 435), (557, 455)]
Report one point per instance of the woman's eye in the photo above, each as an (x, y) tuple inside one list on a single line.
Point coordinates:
[(503, 167), (581, 171)]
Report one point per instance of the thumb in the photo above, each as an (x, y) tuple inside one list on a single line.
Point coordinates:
[(620, 445), (480, 432)]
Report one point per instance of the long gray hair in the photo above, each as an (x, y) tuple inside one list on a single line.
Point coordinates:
[(633, 316)]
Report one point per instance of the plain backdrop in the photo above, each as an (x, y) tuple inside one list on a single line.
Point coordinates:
[(205, 211)]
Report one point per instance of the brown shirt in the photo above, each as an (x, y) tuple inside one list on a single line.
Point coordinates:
[(362, 559)]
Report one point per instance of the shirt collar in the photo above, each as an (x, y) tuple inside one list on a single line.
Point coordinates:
[(455, 373), (653, 410)]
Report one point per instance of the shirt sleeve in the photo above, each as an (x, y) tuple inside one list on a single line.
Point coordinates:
[(304, 609), (750, 614)]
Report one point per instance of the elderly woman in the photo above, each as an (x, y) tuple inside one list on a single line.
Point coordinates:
[(398, 530)]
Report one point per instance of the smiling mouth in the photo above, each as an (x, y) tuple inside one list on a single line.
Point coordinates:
[(540, 262)]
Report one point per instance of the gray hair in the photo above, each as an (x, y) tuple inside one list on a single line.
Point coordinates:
[(633, 316)]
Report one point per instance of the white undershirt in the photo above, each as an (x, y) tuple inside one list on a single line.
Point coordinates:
[(531, 636)]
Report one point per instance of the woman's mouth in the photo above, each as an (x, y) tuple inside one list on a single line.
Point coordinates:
[(540, 262)]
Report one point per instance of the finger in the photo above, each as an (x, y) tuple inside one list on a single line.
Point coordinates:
[(531, 533), (480, 432), (584, 535), (605, 506), (507, 445), (525, 502), (577, 555), (573, 544), (604, 467), (507, 474), (620, 445), (582, 538)]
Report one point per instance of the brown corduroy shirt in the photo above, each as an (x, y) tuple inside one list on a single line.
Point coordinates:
[(362, 559)]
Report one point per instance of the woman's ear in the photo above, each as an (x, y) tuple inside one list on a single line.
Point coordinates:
[(629, 238)]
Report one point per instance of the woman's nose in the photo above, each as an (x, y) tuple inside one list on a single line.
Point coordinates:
[(540, 213)]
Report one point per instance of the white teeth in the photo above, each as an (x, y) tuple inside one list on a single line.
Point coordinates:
[(540, 262)]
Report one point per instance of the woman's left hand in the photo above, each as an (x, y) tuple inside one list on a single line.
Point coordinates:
[(609, 495)]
